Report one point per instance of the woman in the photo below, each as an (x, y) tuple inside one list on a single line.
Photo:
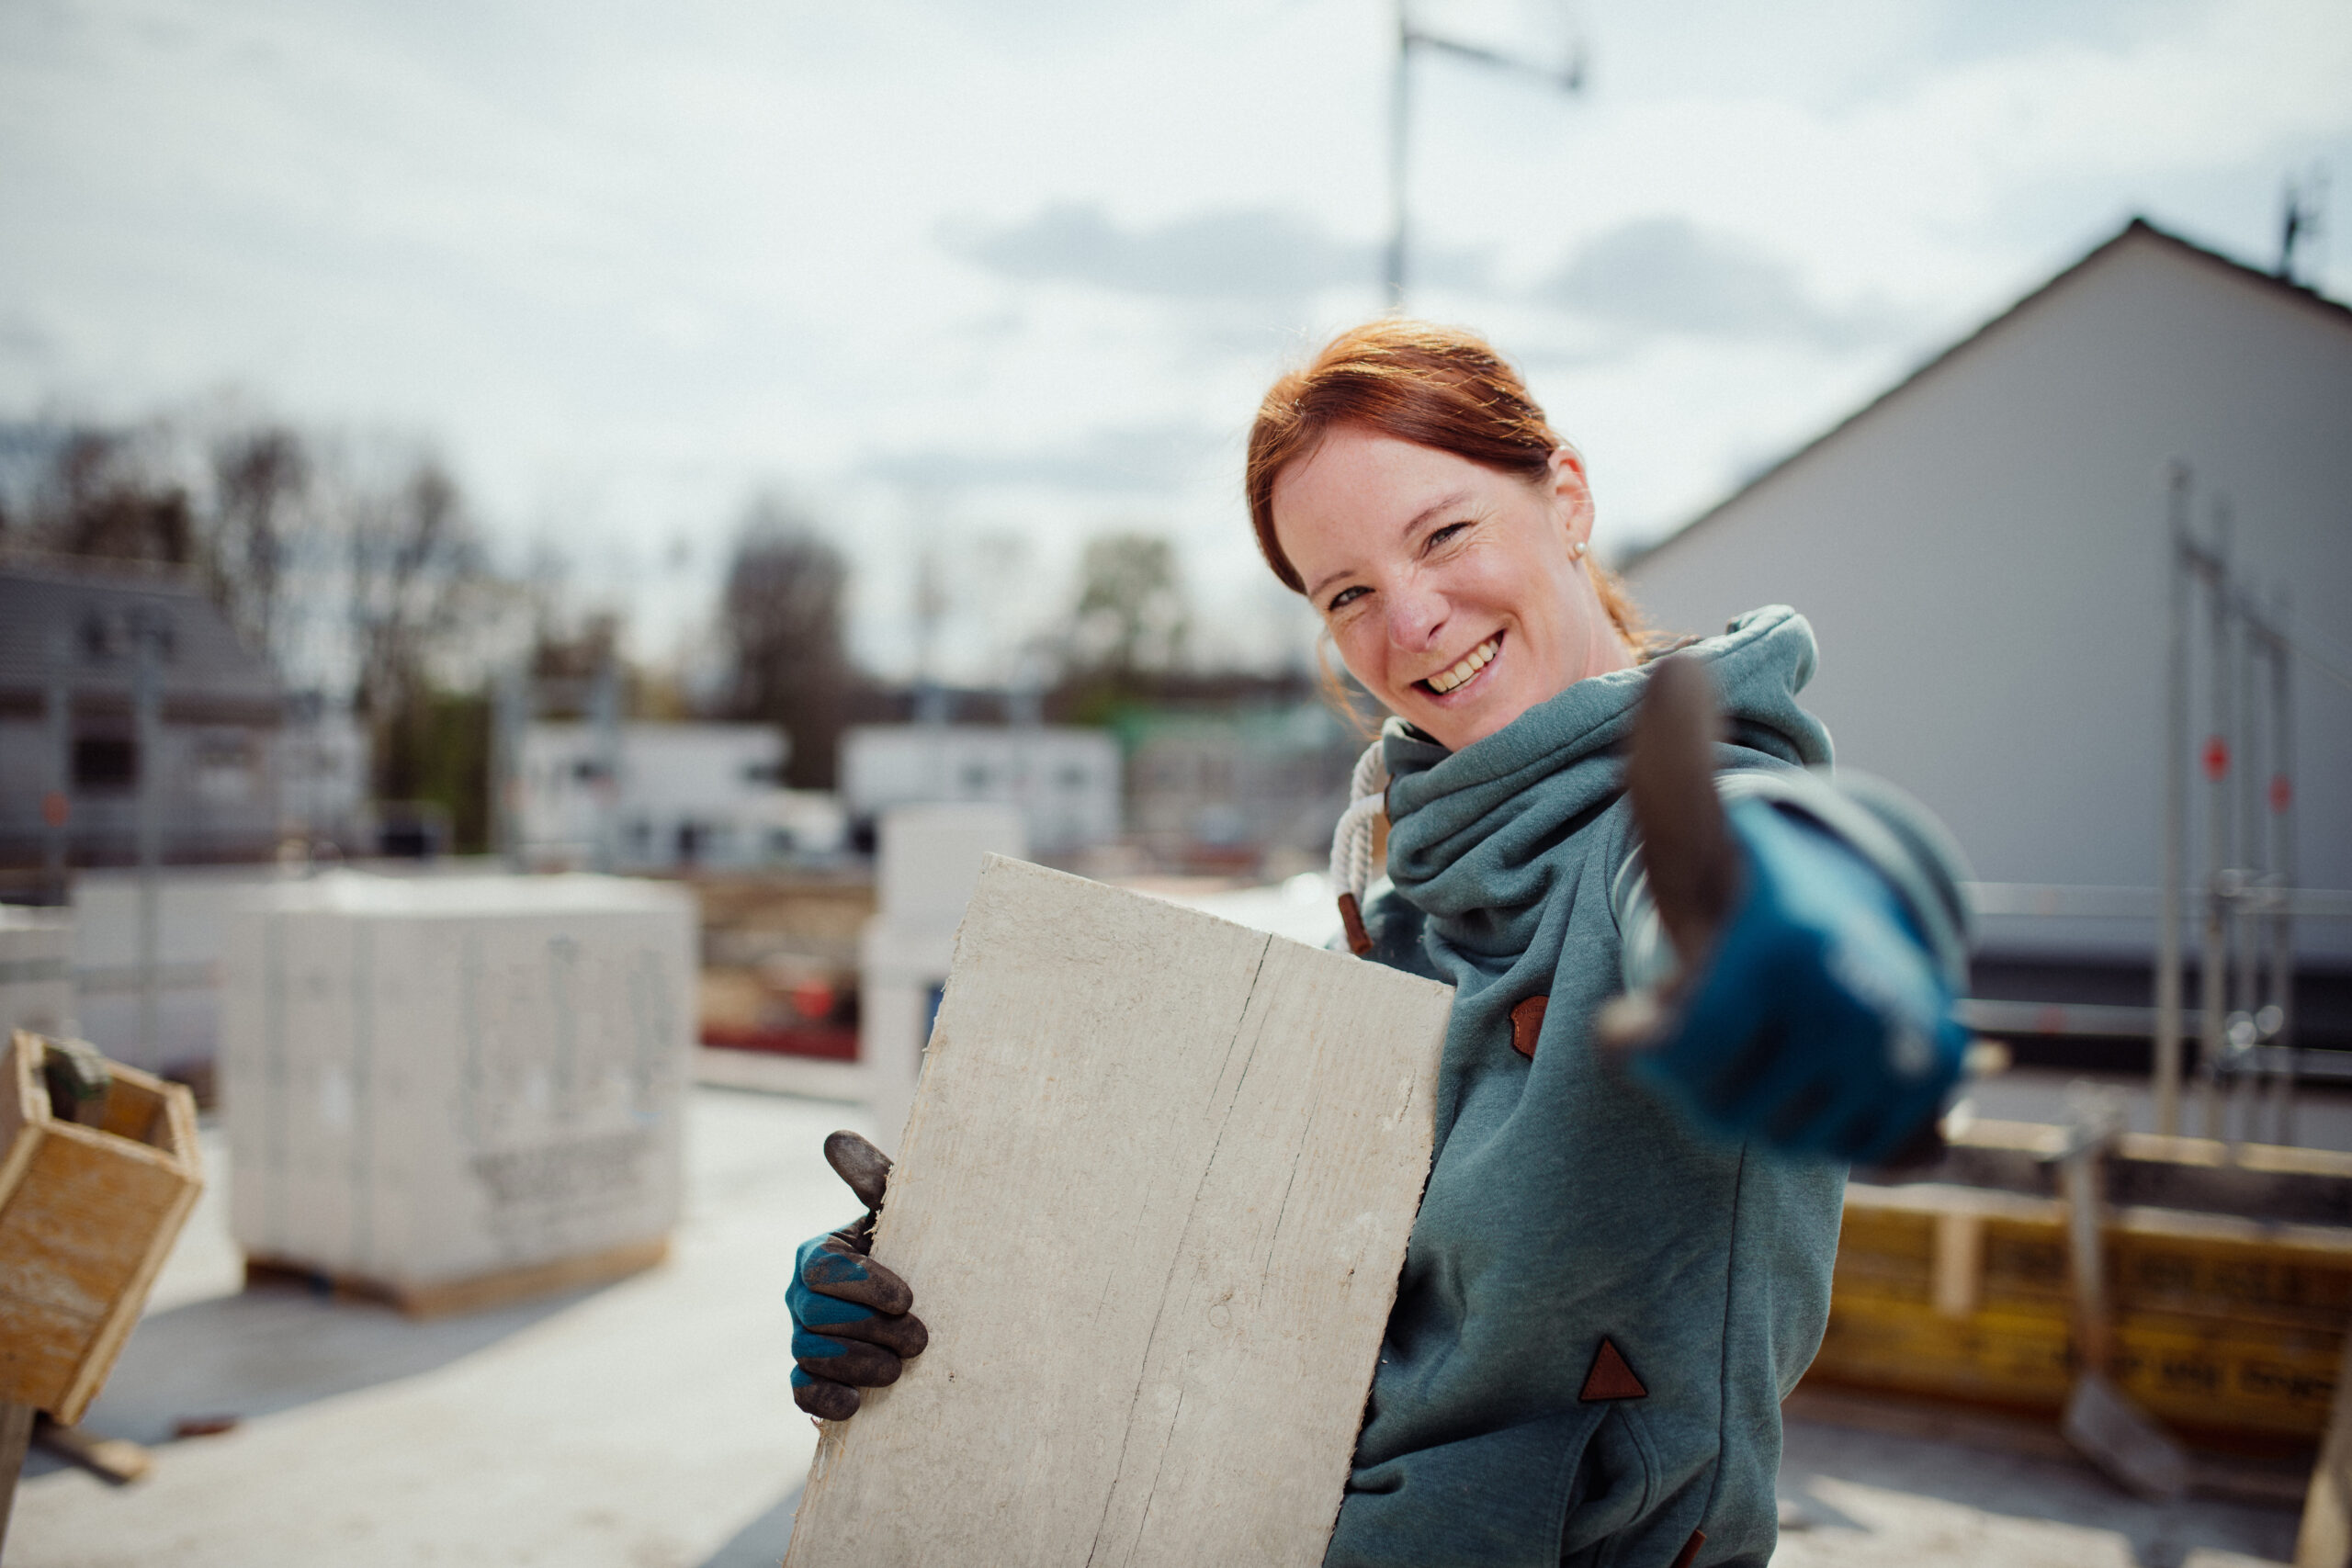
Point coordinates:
[(1614, 1277)]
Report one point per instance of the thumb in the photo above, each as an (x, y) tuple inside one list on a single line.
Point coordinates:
[(860, 1164), (1687, 847)]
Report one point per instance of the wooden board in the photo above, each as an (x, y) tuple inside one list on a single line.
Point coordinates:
[(2324, 1538), (87, 1215), (1153, 1202)]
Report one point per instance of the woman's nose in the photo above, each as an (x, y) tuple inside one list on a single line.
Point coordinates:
[(1414, 613)]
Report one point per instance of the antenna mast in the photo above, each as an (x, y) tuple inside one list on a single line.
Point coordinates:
[(2305, 219), (1569, 76)]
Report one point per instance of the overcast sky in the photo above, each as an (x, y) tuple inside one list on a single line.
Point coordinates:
[(987, 277)]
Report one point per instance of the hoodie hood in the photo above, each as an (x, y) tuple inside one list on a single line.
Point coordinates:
[(1471, 831)]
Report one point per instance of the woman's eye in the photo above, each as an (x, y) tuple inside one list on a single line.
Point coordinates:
[(1445, 536), (1342, 599)]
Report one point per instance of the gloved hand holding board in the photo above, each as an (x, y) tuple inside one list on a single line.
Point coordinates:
[(1152, 1200)]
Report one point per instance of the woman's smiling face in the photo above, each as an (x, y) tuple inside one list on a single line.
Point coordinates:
[(1454, 591)]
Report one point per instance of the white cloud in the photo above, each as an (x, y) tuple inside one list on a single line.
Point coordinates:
[(629, 265)]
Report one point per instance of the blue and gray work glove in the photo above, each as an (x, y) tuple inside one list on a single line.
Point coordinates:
[(850, 1328), (1809, 1012)]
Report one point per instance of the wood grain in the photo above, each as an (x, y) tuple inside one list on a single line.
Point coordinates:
[(87, 1215), (2324, 1536), (1153, 1200)]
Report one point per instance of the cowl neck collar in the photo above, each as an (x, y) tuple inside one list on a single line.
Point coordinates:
[(1471, 832)]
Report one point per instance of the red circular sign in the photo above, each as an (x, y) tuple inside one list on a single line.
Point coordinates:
[(2216, 757)]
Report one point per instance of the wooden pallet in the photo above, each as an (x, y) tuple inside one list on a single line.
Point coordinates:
[(2228, 1326), (478, 1292)]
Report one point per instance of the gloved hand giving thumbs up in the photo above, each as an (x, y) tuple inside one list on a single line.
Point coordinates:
[(1809, 1012), (850, 1328)]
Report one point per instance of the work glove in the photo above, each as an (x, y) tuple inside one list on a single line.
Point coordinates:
[(850, 1328), (1808, 1011)]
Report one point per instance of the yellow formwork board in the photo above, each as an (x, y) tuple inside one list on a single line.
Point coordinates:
[(2209, 1377), (2220, 1323)]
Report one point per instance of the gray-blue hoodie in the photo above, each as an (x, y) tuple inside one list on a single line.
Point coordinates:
[(1567, 1206)]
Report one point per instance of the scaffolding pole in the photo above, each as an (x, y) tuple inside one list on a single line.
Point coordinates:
[(2167, 1062), (2279, 1028), (148, 731), (2212, 979), (57, 800), (2248, 1061)]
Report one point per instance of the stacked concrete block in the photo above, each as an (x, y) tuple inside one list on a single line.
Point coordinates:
[(930, 858), (192, 909), (440, 1080), (35, 971)]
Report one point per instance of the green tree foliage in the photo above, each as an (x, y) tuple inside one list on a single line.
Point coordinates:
[(1131, 617), (1127, 628)]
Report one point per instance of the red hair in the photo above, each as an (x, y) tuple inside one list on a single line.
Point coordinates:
[(1439, 387)]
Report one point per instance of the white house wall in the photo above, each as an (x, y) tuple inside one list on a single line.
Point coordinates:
[(1983, 557)]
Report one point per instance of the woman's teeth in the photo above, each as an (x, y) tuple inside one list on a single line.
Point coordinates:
[(1472, 662)]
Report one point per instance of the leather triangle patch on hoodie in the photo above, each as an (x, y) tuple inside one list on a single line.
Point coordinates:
[(1611, 1378)]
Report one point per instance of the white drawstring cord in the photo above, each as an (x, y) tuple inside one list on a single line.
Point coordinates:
[(1352, 868)]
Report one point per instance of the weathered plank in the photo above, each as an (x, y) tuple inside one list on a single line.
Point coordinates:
[(1153, 1201)]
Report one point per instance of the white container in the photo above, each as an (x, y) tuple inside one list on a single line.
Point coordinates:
[(444, 1079), (35, 971)]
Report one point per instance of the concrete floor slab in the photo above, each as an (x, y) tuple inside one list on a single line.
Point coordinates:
[(648, 1423), (1869, 1498)]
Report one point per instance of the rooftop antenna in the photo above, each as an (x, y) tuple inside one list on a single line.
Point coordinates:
[(2305, 219), (1568, 77)]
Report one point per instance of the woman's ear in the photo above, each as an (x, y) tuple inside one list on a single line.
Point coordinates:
[(1572, 493)]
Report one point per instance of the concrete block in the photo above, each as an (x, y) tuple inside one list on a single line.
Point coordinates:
[(438, 1079)]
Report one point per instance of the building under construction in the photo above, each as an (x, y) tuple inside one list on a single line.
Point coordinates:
[(129, 710), (2082, 584)]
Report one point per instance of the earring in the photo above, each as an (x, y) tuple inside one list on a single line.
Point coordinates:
[(1576, 550)]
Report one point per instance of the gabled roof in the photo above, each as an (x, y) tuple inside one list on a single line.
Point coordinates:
[(90, 613), (2139, 230)]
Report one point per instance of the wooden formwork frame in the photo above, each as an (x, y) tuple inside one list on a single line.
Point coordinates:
[(87, 1215)]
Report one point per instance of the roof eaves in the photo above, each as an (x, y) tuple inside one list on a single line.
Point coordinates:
[(2137, 228)]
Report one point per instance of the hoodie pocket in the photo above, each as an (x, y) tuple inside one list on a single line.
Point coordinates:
[(1616, 1482)]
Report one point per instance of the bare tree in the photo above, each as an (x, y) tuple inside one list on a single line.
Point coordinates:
[(416, 564), (107, 498), (261, 480), (782, 615)]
